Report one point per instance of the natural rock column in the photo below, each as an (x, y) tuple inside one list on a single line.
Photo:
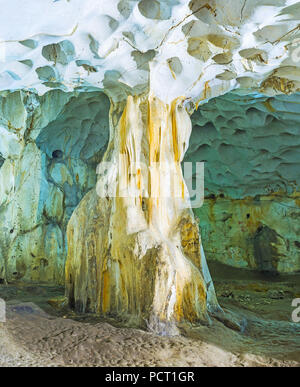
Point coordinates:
[(134, 249)]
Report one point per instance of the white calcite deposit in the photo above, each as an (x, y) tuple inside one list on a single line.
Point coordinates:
[(192, 49)]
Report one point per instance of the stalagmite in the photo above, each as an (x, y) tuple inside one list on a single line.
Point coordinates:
[(134, 248)]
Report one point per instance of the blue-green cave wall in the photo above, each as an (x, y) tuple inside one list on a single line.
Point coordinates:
[(251, 148)]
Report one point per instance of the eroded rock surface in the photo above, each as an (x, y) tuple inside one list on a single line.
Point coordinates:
[(193, 49), (51, 146), (250, 146)]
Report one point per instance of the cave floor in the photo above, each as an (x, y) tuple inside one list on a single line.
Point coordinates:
[(257, 330)]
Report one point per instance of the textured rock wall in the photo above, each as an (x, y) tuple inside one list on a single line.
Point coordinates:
[(51, 146), (258, 233), (250, 145)]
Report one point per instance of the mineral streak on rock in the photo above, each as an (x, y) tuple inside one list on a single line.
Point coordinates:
[(140, 256)]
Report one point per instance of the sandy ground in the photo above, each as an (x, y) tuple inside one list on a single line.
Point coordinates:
[(257, 329)]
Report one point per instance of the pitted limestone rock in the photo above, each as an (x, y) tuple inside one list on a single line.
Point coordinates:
[(48, 165)]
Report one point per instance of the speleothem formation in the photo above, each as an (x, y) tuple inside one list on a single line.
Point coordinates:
[(124, 84)]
